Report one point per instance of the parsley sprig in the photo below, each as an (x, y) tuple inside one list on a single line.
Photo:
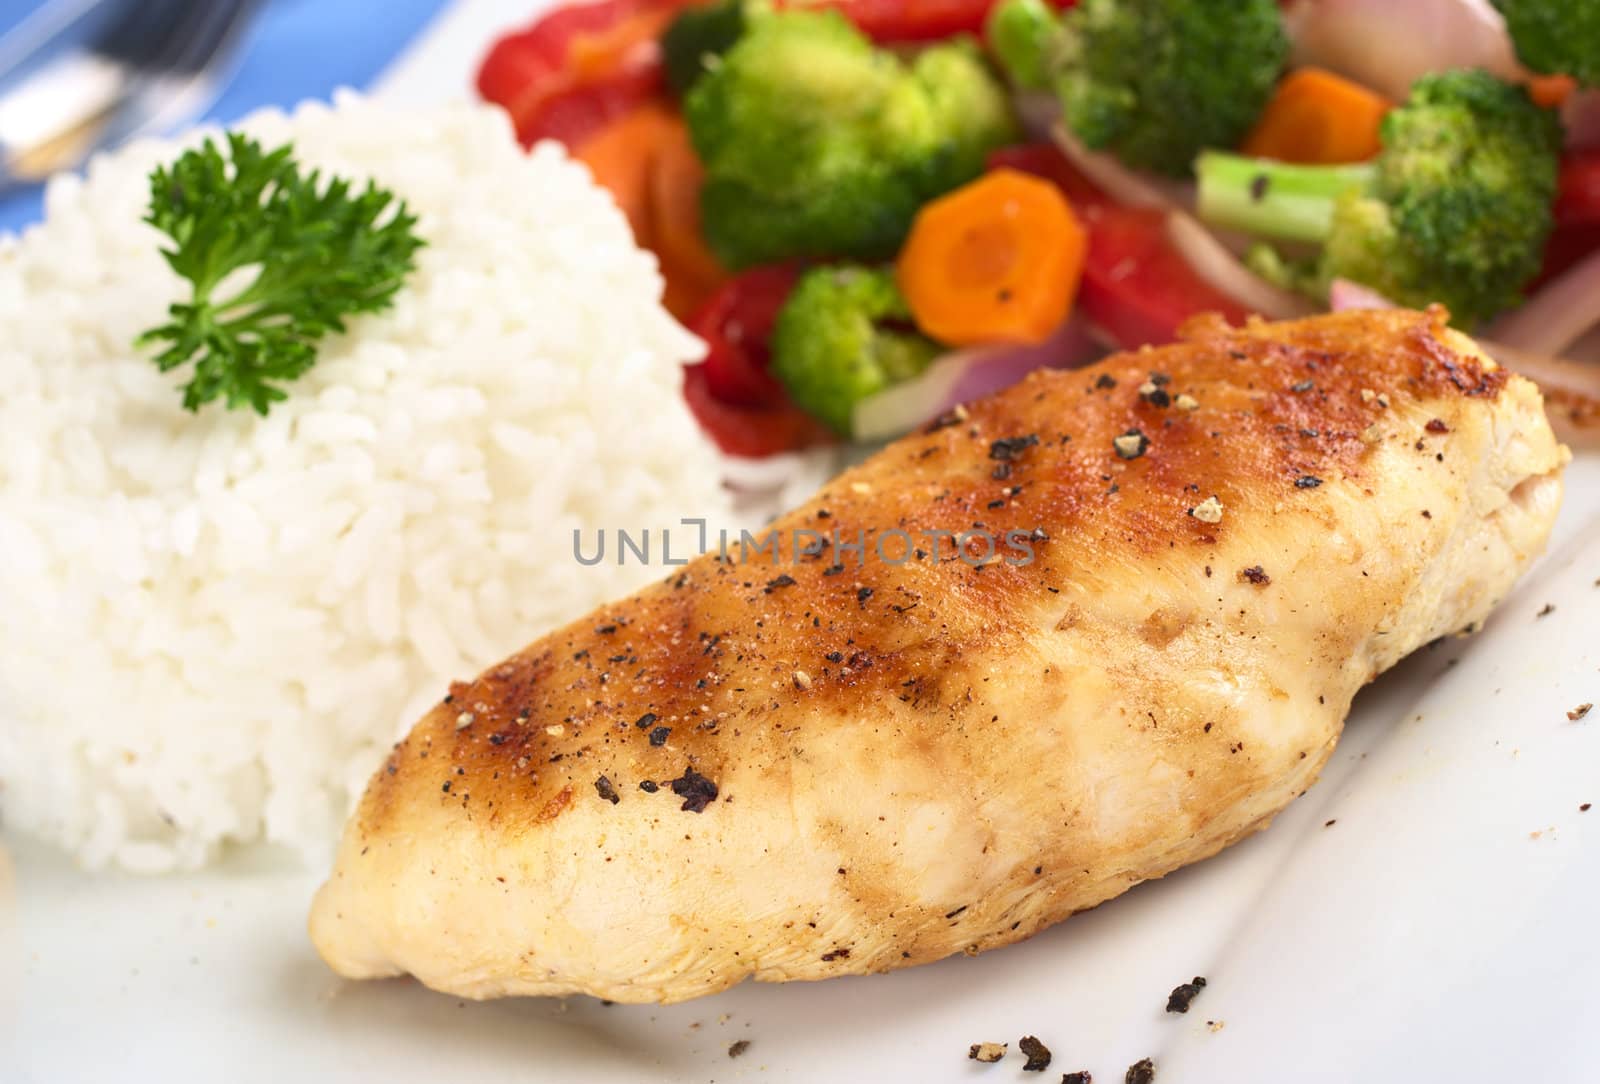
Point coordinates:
[(322, 251)]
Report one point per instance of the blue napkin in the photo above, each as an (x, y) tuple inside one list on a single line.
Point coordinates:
[(296, 49)]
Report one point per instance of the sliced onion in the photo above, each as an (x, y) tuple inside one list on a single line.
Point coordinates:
[(967, 375), (1116, 180), (1387, 45), (1571, 390), (1215, 262), (1581, 116), (1344, 295), (1558, 315), (1587, 349)]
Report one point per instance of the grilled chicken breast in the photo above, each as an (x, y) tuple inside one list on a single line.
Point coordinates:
[(836, 763)]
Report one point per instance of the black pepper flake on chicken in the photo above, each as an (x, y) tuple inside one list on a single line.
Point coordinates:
[(603, 787), (1154, 394), (646, 720), (784, 580), (660, 734), (649, 786), (1131, 445), (1307, 481), (1142, 1071), (1255, 575), (1038, 1054), (1184, 993), (1104, 381), (1009, 448), (1302, 386), (954, 416), (695, 789), (1436, 425)]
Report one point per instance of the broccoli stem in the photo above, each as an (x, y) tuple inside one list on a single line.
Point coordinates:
[(1022, 34), (1274, 199)]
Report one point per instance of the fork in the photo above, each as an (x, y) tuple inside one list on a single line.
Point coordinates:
[(80, 75)]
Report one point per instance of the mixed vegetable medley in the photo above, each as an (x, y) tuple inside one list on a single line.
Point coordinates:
[(871, 210)]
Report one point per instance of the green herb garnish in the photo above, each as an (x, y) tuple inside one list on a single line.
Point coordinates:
[(319, 250)]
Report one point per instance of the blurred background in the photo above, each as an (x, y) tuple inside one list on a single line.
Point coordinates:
[(103, 70)]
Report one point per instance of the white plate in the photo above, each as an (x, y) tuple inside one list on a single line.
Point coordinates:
[(1442, 927)]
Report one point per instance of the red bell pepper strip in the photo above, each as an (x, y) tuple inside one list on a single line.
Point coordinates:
[(1578, 193), (739, 404), (749, 431), (912, 20), (578, 68), (736, 325)]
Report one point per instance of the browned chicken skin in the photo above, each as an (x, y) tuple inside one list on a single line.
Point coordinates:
[(831, 765)]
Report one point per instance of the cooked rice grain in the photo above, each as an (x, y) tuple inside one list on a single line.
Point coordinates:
[(213, 626)]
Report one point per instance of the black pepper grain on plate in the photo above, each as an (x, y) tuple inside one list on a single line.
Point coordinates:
[(1038, 1054), (1142, 1071), (1082, 1076), (738, 1047), (988, 1053), (1184, 993)]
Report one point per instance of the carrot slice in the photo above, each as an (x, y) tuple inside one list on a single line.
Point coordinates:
[(692, 272), (622, 155), (997, 260), (1551, 91), (1318, 118)]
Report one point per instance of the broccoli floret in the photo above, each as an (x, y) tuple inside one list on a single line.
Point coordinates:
[(696, 37), (969, 110), (1556, 37), (817, 144), (1455, 209), (844, 334), (1152, 81)]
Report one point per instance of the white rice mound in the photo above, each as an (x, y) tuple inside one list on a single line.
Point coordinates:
[(213, 626)]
